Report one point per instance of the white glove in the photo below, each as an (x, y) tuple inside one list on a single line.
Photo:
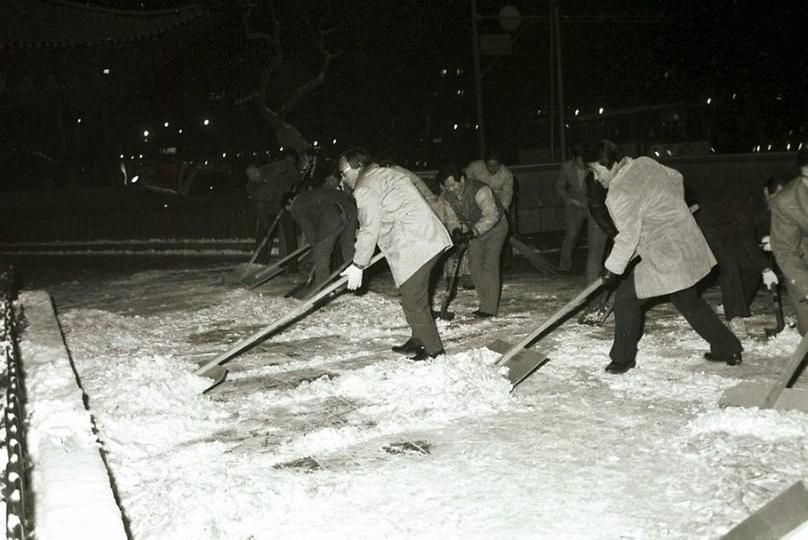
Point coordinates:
[(765, 243), (354, 275), (769, 278)]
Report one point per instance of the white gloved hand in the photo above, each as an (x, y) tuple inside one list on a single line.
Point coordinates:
[(765, 243), (769, 278), (354, 275)]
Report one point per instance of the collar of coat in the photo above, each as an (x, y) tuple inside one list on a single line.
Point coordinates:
[(622, 167)]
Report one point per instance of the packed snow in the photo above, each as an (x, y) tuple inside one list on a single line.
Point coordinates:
[(322, 431)]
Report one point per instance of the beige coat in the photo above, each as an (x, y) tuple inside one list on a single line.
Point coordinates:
[(394, 216), (646, 202), (789, 235), (500, 183)]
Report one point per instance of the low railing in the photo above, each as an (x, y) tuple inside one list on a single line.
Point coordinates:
[(15, 475)]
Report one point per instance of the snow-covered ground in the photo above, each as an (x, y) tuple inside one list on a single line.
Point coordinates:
[(322, 431)]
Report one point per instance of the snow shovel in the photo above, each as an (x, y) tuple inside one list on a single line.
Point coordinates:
[(215, 371), (268, 272), (520, 361), (776, 396), (534, 257), (777, 304), (451, 287), (241, 271)]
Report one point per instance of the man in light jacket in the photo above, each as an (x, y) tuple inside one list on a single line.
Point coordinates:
[(789, 241), (646, 201), (394, 216), (474, 214)]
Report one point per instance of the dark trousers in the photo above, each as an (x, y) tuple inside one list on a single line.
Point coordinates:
[(484, 257), (417, 308), (629, 318)]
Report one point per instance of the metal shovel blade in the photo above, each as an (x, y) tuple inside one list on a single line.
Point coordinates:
[(522, 364), (754, 395), (217, 374)]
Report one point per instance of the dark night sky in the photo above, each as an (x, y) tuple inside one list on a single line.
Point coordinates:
[(387, 89)]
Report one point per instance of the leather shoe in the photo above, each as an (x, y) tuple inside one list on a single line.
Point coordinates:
[(482, 314), (733, 359), (619, 368), (409, 346), (423, 355)]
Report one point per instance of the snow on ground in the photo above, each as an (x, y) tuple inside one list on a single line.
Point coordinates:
[(322, 431)]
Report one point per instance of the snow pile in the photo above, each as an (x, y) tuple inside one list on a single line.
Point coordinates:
[(321, 431)]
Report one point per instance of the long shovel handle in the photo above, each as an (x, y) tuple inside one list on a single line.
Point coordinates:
[(568, 308), (793, 364), (258, 278), (241, 345), (444, 308), (266, 237)]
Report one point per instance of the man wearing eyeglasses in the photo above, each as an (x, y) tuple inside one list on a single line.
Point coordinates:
[(394, 216)]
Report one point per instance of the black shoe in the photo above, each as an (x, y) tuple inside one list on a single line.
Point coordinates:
[(409, 346), (618, 368), (423, 355), (733, 359), (482, 314)]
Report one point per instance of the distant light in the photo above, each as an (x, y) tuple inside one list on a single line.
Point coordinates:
[(600, 111), (281, 150), (165, 205), (333, 141), (788, 147), (140, 156), (206, 162), (476, 126), (78, 120), (443, 72), (135, 178), (165, 124), (538, 111), (734, 95), (105, 71), (132, 156), (709, 100), (145, 132), (121, 156), (210, 187), (712, 150), (224, 154), (667, 151), (179, 130), (656, 153), (205, 122), (460, 91), (455, 126), (757, 149), (459, 71), (769, 147), (316, 143), (576, 112), (799, 147)]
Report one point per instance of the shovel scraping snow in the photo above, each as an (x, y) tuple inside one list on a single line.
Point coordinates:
[(775, 396), (213, 370), (522, 361)]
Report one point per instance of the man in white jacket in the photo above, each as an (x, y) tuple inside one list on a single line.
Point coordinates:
[(394, 216), (646, 201)]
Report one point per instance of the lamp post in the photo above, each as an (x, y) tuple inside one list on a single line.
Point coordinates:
[(510, 19), (478, 79)]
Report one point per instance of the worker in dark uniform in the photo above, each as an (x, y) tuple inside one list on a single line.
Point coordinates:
[(326, 215)]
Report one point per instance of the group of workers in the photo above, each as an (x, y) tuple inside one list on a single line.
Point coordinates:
[(658, 246)]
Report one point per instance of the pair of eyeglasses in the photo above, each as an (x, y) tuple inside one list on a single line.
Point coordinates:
[(343, 171)]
